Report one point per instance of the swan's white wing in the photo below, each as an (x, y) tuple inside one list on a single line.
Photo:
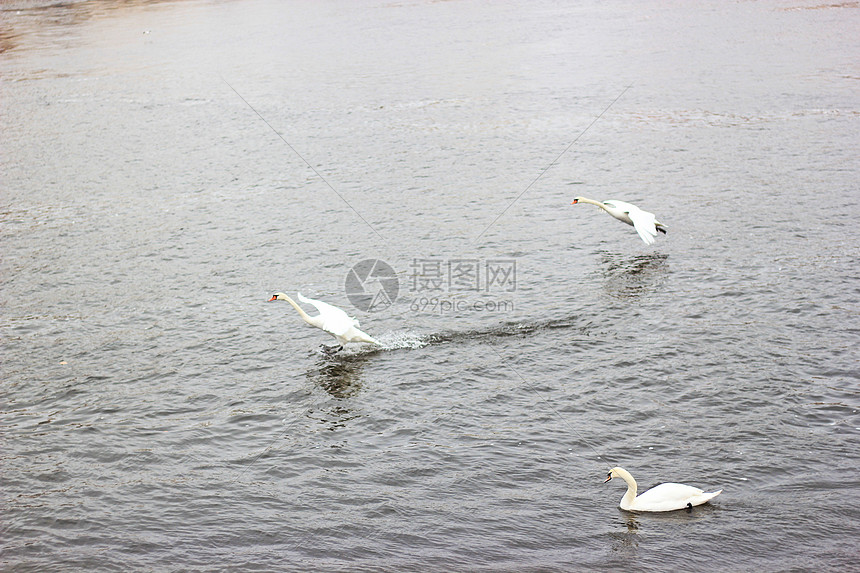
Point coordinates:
[(668, 497), (337, 325), (621, 210), (334, 320), (643, 222), (621, 205), (324, 307)]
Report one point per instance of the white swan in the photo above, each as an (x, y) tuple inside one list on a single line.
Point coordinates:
[(330, 319), (663, 497), (645, 223)]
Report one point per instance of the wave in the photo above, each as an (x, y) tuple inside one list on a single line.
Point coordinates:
[(410, 339)]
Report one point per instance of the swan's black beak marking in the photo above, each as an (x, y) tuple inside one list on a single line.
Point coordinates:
[(608, 477)]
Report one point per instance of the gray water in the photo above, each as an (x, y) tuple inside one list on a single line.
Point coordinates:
[(159, 415)]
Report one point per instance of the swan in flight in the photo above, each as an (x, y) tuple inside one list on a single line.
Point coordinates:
[(645, 223), (663, 497), (330, 319)]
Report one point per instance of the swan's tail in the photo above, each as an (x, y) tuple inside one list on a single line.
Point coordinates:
[(646, 234), (361, 336), (706, 496), (371, 340)]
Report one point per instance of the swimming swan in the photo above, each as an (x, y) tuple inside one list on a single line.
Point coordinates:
[(663, 497), (330, 319), (645, 223)]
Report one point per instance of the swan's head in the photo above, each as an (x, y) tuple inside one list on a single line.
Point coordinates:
[(613, 473), (277, 296), (575, 200)]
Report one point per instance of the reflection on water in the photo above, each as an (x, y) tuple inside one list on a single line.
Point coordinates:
[(340, 374), (627, 541), (630, 277), (632, 524)]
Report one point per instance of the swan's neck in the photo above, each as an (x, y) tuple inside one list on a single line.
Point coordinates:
[(593, 202), (628, 498), (312, 320)]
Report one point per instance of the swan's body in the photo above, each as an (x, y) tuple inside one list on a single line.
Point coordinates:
[(330, 319), (645, 223), (664, 497)]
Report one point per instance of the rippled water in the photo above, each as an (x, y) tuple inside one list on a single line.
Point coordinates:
[(158, 414)]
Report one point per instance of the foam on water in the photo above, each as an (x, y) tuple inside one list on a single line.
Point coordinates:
[(395, 340)]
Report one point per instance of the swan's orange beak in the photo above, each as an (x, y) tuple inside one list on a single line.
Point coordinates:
[(275, 297), (574, 202), (609, 477)]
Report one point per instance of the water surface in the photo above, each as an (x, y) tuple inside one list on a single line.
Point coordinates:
[(166, 166)]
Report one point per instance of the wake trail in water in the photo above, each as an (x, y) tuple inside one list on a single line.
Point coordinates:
[(396, 340), (403, 339)]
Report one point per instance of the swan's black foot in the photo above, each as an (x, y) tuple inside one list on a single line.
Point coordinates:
[(331, 349), (689, 507)]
